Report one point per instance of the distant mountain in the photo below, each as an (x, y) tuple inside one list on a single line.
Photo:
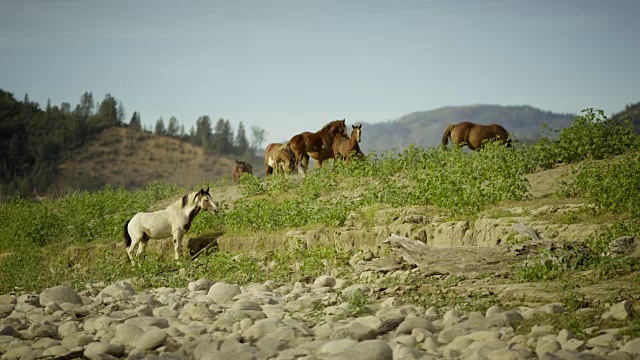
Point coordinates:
[(425, 128), (633, 112)]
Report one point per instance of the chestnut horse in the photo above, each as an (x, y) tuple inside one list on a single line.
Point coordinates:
[(239, 168), (473, 135), (279, 157), (318, 145), (343, 146)]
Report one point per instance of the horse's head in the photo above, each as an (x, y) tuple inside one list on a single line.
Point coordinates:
[(356, 133), (243, 167), (336, 127), (206, 202)]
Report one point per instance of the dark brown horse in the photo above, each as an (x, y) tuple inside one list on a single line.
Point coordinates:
[(473, 135), (279, 157), (343, 146), (239, 168), (318, 145)]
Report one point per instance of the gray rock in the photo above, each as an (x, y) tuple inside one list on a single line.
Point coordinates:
[(6, 310), (43, 330), (67, 329), (356, 288), (632, 347), (151, 339), (354, 330), (96, 350), (60, 294), (619, 311), (56, 351), (145, 322), (222, 292), (553, 308), (411, 323), (494, 310), (548, 347), (127, 334), (325, 281), (509, 354), (336, 346), (368, 349), (201, 284), (8, 330), (8, 300), (118, 290), (262, 328), (604, 340), (17, 352), (625, 246)]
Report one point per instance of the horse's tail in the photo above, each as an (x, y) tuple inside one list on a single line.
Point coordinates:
[(446, 134), (127, 237)]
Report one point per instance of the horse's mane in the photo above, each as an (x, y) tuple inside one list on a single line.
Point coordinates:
[(329, 125), (186, 200)]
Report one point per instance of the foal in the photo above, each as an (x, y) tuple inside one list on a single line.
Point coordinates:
[(343, 146), (174, 221), (239, 168)]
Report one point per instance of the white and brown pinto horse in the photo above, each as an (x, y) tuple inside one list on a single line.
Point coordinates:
[(174, 221)]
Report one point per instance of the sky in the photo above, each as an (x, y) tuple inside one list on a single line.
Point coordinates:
[(292, 66)]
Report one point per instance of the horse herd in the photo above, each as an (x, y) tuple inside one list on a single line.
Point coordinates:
[(330, 142)]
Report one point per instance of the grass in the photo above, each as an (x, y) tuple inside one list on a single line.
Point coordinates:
[(453, 184)]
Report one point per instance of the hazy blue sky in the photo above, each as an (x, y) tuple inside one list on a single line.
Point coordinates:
[(291, 66)]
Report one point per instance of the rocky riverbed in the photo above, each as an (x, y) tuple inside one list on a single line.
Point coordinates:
[(326, 318)]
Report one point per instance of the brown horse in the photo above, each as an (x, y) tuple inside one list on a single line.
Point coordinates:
[(279, 157), (343, 146), (239, 168), (318, 145), (473, 135)]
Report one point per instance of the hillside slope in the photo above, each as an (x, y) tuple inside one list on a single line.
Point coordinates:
[(130, 159), (424, 128)]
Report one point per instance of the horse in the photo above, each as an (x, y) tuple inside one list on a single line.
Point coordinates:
[(238, 168), (343, 146), (318, 145), (473, 135), (278, 157), (174, 221)]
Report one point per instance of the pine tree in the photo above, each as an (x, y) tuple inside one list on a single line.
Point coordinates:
[(172, 129), (135, 123), (241, 142), (160, 129)]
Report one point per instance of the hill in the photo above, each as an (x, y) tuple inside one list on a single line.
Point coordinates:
[(424, 128), (131, 159), (633, 112)]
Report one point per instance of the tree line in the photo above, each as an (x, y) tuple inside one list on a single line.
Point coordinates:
[(33, 141)]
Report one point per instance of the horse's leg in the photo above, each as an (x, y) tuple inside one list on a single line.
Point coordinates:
[(135, 240), (177, 243), (141, 247)]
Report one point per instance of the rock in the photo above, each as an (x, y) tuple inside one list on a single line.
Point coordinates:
[(553, 309), (118, 290), (151, 339), (619, 311), (411, 323), (604, 340), (201, 284), (8, 300), (336, 346), (625, 246), (43, 330), (632, 347), (145, 322), (547, 347), (356, 288), (58, 295), (368, 349), (6, 310), (222, 292), (494, 310), (325, 281), (97, 350)]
